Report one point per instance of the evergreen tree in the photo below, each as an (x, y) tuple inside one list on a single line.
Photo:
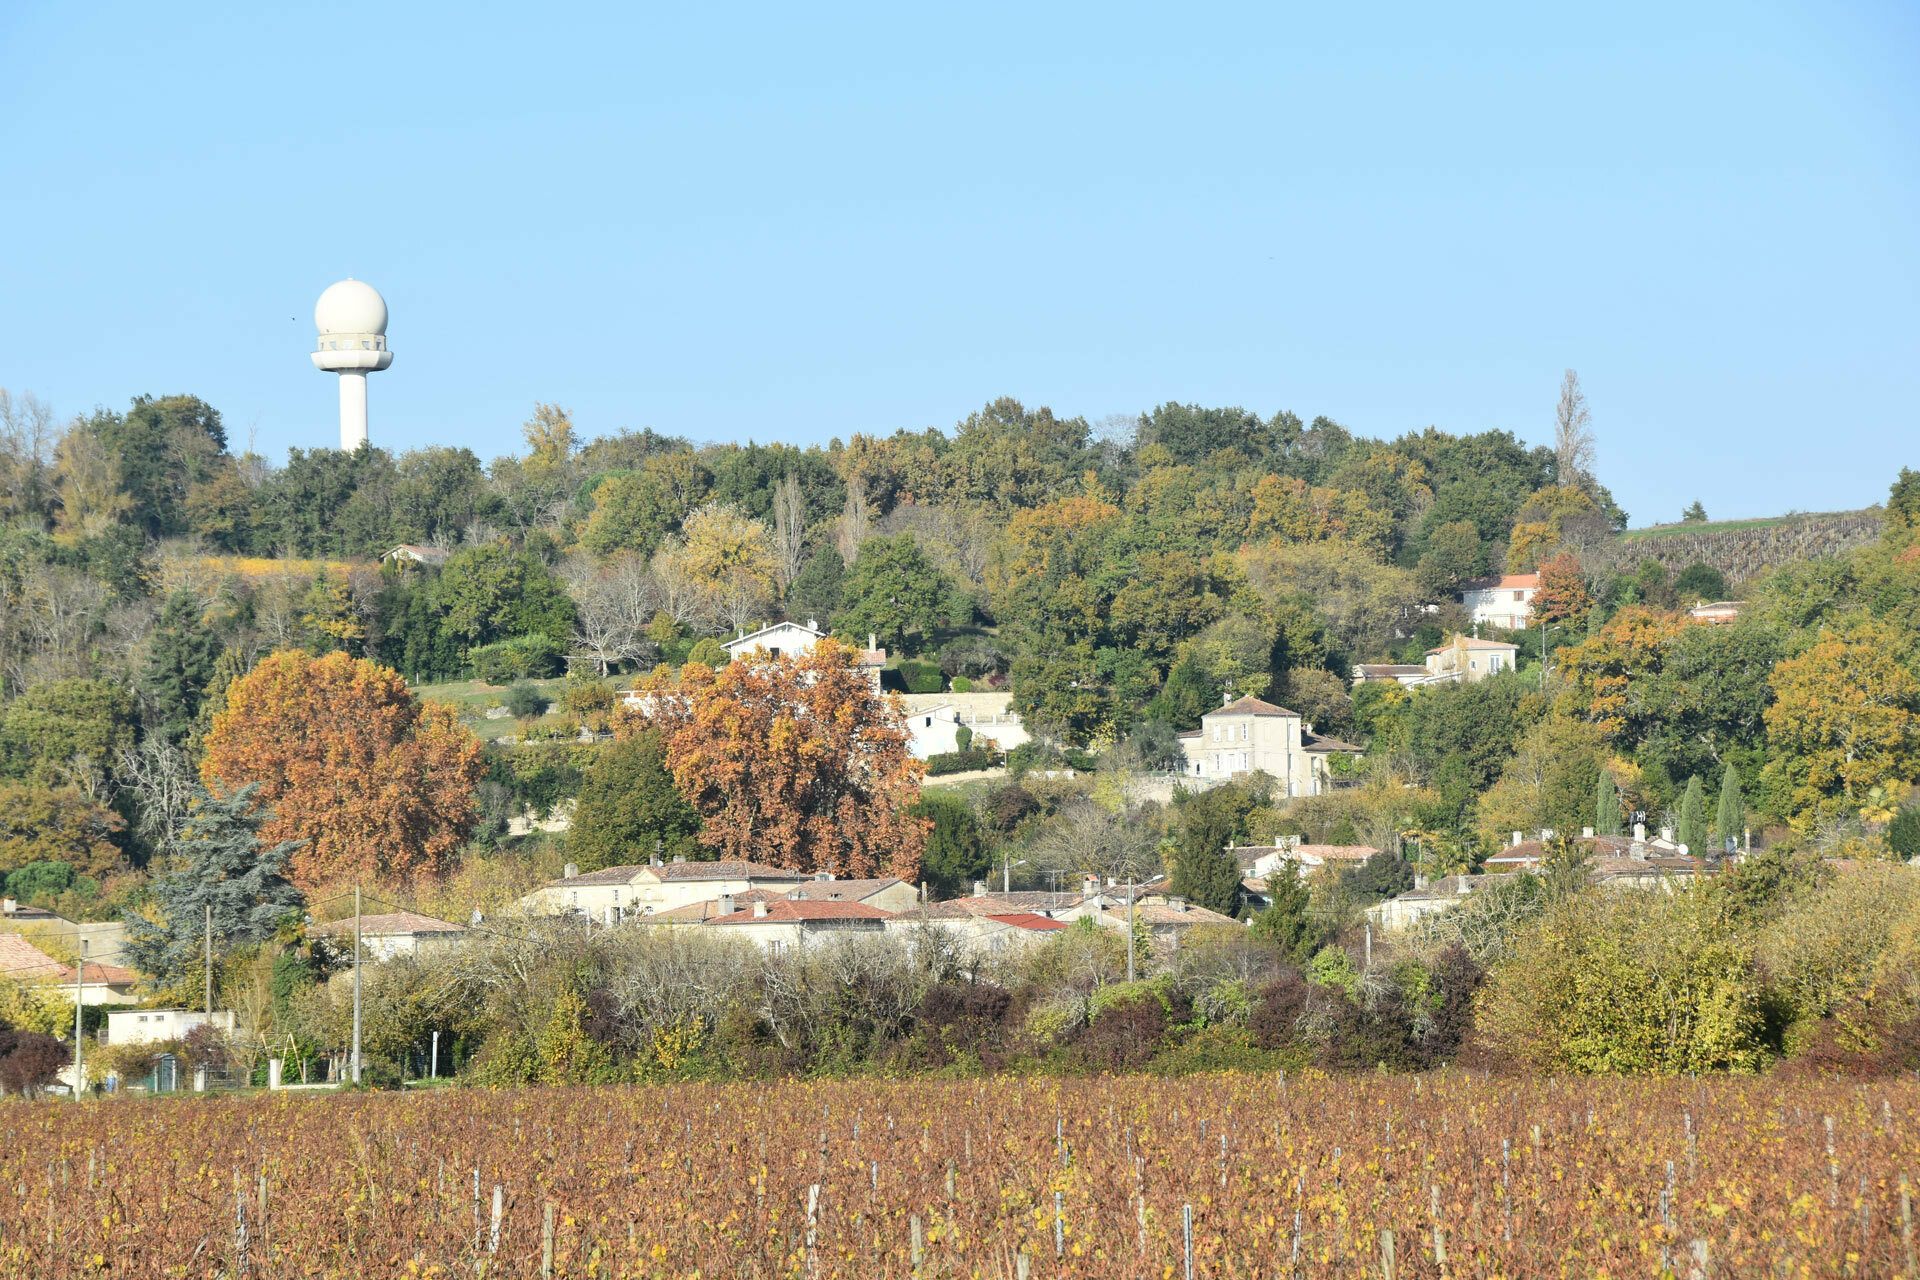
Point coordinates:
[(1693, 816), (1190, 692), (1284, 921), (1606, 807), (218, 862), (957, 852), (1204, 872), (180, 660), (1903, 833), (628, 802), (1731, 817), (818, 589), (1694, 514)]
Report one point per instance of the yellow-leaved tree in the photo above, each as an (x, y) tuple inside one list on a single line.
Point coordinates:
[(1845, 719)]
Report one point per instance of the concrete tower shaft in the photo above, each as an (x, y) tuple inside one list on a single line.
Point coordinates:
[(351, 317)]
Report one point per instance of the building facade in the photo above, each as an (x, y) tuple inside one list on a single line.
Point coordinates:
[(1250, 736), (1505, 602)]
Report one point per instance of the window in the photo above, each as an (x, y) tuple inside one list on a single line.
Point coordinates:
[(1518, 596), (1243, 733), (773, 653), (929, 722), (1216, 733)]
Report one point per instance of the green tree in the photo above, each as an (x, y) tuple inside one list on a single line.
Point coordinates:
[(628, 802), (219, 863), (1730, 819), (1694, 514), (1693, 816), (495, 592), (1189, 693), (1903, 833), (892, 589), (162, 447), (180, 658), (1607, 820), (1204, 872), (819, 588), (1284, 921), (957, 852), (66, 732), (1698, 582)]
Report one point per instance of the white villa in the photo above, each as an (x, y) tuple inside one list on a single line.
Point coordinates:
[(1248, 736), (792, 638), (616, 893), (382, 937), (1505, 602)]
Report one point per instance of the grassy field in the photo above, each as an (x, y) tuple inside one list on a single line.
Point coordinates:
[(471, 698), (1223, 1175)]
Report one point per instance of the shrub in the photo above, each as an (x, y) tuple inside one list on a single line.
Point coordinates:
[(963, 738), (962, 685), (922, 677), (1036, 754), (525, 700), (29, 1060), (961, 762), (709, 651), (523, 656)]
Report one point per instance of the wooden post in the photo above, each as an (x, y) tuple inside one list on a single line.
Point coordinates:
[(546, 1244), (1022, 1266), (1906, 1221), (499, 1206), (1186, 1233), (1702, 1261), (1388, 1270), (1059, 1228), (813, 1206), (913, 1225)]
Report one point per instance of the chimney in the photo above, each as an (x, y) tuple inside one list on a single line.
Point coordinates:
[(678, 858), (813, 623), (1666, 833), (759, 910), (568, 872), (823, 875), (1546, 834), (1516, 839), (8, 905), (1639, 831), (873, 641), (1090, 885), (726, 904), (1586, 833), (979, 888)]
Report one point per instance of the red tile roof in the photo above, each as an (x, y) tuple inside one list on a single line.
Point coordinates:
[(710, 909), (1506, 582), (396, 922), (21, 960), (784, 910), (1028, 920), (841, 890), (730, 869), (1248, 707)]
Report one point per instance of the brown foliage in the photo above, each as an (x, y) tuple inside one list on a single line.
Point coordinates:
[(348, 760), (796, 761)]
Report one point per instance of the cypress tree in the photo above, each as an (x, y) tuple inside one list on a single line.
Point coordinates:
[(1606, 806), (1693, 816), (1204, 873), (1731, 817), (180, 662)]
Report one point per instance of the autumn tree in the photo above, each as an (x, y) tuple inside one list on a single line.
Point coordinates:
[(348, 760), (1563, 599), (796, 760), (1845, 719)]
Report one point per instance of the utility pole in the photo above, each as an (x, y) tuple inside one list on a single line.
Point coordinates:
[(356, 984), (1546, 633), (206, 933), (79, 1029), (1133, 891)]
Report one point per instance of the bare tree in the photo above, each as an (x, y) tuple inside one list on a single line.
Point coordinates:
[(856, 520), (1572, 438), (681, 594), (789, 527), (612, 605), (159, 779), (26, 454)]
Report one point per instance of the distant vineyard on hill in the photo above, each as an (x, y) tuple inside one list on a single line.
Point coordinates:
[(1743, 548)]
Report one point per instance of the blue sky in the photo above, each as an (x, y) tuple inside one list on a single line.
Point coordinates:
[(798, 222)]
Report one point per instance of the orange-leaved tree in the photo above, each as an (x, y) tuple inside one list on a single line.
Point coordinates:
[(347, 759), (1563, 599), (796, 761)]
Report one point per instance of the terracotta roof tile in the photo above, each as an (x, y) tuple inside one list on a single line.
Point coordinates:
[(396, 922), (1248, 707), (784, 910)]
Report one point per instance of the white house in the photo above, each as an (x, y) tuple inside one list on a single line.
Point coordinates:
[(988, 932), (413, 553), (791, 638), (1505, 602), (1248, 736), (148, 1026), (615, 893), (935, 721), (382, 937), (776, 926)]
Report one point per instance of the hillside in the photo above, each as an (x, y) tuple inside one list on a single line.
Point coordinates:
[(1743, 549)]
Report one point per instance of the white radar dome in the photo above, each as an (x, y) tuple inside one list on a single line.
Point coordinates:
[(352, 306)]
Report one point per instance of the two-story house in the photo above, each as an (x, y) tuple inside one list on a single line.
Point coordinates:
[(1469, 660), (1504, 602), (1250, 736)]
